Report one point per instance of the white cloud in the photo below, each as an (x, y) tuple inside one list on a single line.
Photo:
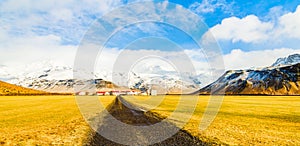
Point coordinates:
[(151, 11), (248, 29), (203, 7), (289, 24), (209, 6), (109, 58), (38, 29), (34, 30), (26, 50), (62, 14), (239, 59), (62, 18), (275, 13), (27, 46), (29, 6), (251, 29)]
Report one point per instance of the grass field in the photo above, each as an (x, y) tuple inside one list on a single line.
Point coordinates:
[(242, 120), (43, 120)]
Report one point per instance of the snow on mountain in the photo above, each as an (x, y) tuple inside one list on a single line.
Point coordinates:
[(44, 70), (164, 83), (279, 80), (290, 60), (42, 75), (163, 79), (53, 77)]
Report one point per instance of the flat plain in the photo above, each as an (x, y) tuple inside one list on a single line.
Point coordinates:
[(241, 120), (43, 120)]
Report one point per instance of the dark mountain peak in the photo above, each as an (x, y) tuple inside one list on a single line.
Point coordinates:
[(280, 80)]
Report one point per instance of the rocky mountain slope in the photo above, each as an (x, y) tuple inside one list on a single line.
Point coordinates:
[(282, 78)]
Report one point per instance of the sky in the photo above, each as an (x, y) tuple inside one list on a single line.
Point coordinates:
[(249, 34)]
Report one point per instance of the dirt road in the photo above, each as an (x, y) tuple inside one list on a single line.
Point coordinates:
[(124, 112)]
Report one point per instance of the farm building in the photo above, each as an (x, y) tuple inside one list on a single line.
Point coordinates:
[(118, 92), (81, 93)]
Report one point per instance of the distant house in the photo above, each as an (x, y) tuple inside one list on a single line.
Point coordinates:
[(107, 93), (100, 93), (118, 92), (133, 92), (153, 92), (81, 93)]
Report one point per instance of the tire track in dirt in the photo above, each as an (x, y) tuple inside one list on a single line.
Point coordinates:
[(129, 114)]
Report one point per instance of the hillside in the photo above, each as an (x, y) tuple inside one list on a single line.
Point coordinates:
[(279, 80), (9, 89)]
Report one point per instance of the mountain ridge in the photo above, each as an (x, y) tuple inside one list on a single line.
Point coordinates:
[(280, 80)]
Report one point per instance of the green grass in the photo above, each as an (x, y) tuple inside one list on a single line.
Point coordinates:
[(43, 120), (242, 120)]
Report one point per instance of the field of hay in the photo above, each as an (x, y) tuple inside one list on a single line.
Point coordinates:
[(241, 120), (43, 120)]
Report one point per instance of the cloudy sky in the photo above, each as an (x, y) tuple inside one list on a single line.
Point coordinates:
[(249, 34)]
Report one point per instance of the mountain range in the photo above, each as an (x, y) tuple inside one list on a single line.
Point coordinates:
[(52, 77), (280, 78)]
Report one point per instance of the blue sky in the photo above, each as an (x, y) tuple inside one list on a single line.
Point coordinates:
[(238, 8), (54, 28)]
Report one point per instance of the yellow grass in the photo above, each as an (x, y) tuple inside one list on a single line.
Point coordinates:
[(242, 120), (43, 120), (10, 89)]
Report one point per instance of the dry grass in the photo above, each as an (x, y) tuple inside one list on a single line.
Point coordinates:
[(9, 89), (43, 120), (242, 120)]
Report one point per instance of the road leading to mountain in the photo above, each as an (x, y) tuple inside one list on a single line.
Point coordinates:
[(127, 113)]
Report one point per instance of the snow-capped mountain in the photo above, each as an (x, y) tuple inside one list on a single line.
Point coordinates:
[(290, 60), (52, 77), (164, 80), (49, 76), (165, 83), (44, 75), (275, 80)]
